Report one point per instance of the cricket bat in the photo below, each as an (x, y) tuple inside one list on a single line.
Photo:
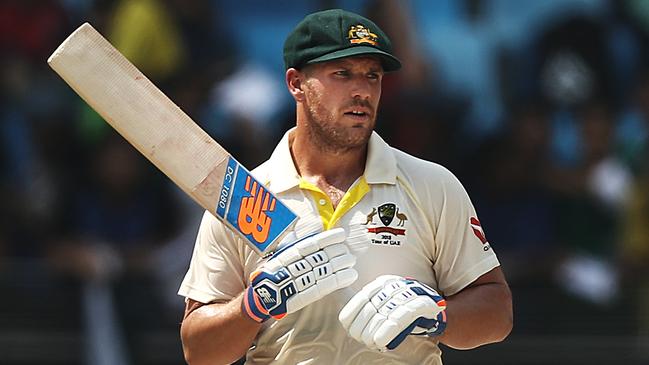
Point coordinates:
[(170, 139)]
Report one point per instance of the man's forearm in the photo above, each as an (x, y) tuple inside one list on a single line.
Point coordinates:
[(477, 316), (218, 333)]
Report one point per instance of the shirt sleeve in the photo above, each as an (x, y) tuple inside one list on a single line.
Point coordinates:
[(462, 253), (216, 270)]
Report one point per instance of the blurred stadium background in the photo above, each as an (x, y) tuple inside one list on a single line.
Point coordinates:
[(541, 107)]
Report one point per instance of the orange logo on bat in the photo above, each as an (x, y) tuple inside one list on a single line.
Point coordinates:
[(252, 214)]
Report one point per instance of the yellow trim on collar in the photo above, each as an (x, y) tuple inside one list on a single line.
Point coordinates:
[(322, 201)]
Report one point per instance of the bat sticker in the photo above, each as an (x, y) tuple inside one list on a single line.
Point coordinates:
[(247, 206)]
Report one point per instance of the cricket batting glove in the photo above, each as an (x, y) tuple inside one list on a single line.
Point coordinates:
[(390, 308), (300, 274)]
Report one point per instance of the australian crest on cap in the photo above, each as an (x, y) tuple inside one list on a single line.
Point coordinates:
[(360, 34)]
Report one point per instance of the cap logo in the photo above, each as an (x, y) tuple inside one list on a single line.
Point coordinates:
[(358, 34)]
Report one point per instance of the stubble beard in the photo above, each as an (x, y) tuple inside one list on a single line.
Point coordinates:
[(326, 136)]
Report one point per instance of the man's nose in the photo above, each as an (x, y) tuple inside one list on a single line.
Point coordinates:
[(361, 88)]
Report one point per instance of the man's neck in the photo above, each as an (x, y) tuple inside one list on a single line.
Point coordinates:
[(326, 169)]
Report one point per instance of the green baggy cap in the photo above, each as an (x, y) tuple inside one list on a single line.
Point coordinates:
[(332, 34)]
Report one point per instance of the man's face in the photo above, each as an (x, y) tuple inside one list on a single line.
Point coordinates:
[(341, 99)]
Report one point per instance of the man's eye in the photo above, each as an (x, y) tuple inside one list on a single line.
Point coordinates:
[(342, 73), (373, 76)]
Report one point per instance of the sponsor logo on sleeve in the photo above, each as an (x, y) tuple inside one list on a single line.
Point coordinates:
[(479, 232)]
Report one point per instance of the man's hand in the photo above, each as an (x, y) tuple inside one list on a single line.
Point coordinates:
[(300, 274), (390, 308)]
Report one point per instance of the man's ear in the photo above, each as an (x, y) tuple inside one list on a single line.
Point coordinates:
[(294, 82)]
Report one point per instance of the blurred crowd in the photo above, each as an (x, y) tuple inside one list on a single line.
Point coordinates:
[(540, 107)]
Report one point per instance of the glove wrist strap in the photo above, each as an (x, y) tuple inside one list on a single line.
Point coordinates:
[(252, 307), (441, 325)]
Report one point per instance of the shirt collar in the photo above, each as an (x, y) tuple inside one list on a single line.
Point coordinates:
[(380, 168), (381, 165)]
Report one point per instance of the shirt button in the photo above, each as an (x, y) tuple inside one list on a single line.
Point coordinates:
[(322, 202)]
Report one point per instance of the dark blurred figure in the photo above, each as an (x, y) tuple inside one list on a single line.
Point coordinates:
[(123, 207), (36, 145), (114, 224), (218, 87), (4, 213), (633, 134), (634, 246), (29, 31), (425, 127), (635, 253), (591, 196), (428, 119), (596, 187), (418, 74), (508, 175)]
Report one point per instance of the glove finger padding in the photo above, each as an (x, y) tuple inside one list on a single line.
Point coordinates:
[(390, 308), (361, 301), (300, 274)]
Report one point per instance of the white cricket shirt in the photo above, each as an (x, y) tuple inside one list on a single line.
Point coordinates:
[(404, 216)]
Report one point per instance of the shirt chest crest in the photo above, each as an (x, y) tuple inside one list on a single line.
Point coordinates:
[(386, 224)]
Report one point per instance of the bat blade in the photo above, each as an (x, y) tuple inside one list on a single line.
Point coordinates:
[(170, 139)]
